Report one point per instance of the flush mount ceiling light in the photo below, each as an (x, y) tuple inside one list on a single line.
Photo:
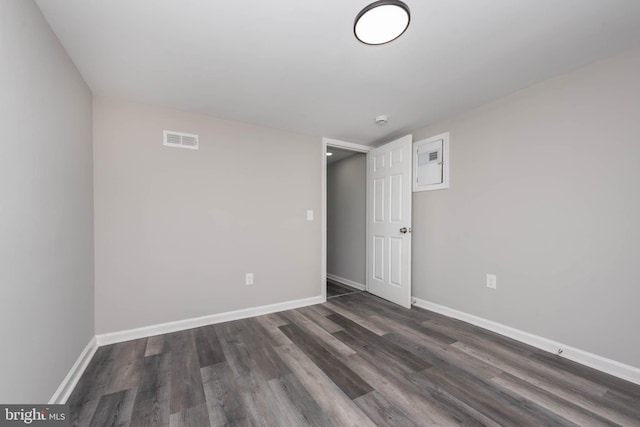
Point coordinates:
[(329, 153), (381, 22)]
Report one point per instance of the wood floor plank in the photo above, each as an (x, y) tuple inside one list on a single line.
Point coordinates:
[(320, 309), (277, 319), (351, 384), (186, 383), (382, 412), (155, 345), (463, 413), (152, 403), (583, 397), (114, 410), (385, 312), (623, 403), (264, 356), (228, 331), (401, 394), (444, 357), (255, 330), (208, 346), (378, 305), (374, 355), (563, 408), (271, 328), (197, 416), (295, 398), (400, 391), (358, 305), (503, 408), (331, 343), (320, 319), (533, 366), (414, 332), (156, 372), (256, 397), (93, 382), (435, 352), (289, 413), (407, 322), (117, 369), (181, 341), (125, 375), (80, 413), (223, 399), (367, 341), (336, 405), (363, 321), (465, 332), (151, 408), (617, 385)]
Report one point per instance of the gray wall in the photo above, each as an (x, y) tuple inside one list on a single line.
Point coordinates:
[(176, 230), (346, 218), (46, 208), (545, 194)]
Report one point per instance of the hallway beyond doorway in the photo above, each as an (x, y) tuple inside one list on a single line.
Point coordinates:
[(337, 289)]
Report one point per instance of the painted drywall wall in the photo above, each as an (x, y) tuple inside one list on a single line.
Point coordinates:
[(346, 218), (176, 230), (545, 194), (46, 208)]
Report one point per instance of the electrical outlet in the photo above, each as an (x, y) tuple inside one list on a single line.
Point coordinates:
[(248, 279), (491, 281), (309, 215)]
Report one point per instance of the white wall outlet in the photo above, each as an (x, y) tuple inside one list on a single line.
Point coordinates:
[(248, 279), (491, 281), (309, 215)]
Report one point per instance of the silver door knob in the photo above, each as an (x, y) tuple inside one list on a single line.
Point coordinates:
[(404, 230)]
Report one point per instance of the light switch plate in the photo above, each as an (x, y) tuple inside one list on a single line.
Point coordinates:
[(491, 281), (309, 215)]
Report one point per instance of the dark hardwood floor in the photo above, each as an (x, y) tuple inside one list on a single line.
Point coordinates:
[(355, 360)]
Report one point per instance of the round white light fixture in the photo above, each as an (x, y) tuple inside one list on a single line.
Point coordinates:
[(329, 154), (381, 22)]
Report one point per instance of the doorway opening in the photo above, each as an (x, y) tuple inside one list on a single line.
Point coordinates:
[(346, 221), (344, 218)]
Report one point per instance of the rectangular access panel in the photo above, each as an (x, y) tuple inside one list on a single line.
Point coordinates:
[(431, 163)]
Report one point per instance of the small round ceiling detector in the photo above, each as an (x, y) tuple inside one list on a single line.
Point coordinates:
[(382, 120), (382, 22)]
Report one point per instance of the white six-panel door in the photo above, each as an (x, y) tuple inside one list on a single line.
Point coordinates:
[(389, 221)]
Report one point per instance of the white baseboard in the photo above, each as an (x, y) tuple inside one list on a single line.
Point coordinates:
[(69, 383), (355, 285), (180, 325), (609, 366)]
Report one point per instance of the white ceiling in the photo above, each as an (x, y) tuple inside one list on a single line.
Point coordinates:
[(295, 65)]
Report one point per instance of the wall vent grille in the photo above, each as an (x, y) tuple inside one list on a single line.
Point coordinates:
[(180, 140)]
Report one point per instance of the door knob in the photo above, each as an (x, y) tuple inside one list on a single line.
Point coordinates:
[(404, 230)]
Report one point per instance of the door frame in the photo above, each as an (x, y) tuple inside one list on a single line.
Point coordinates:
[(344, 145)]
